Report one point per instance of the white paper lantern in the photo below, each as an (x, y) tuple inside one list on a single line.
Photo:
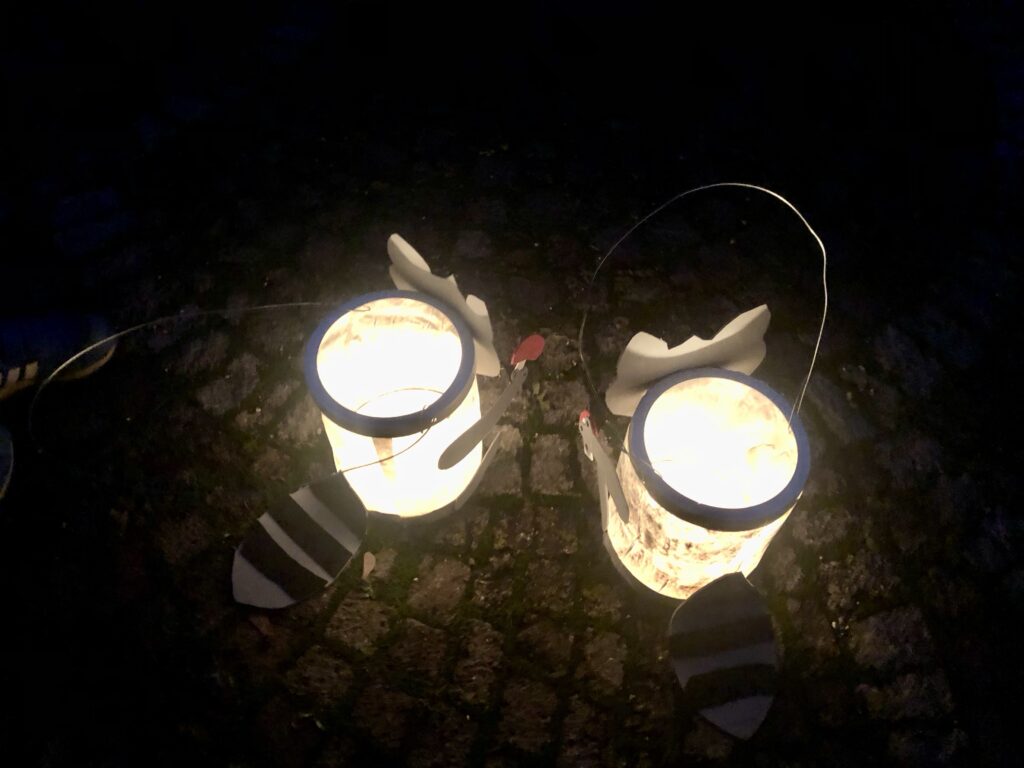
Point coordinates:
[(714, 468), (383, 369)]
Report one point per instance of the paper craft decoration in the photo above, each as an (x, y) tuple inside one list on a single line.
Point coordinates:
[(739, 346), (529, 349), (722, 648), (713, 464), (292, 552), (606, 485), (394, 374), (410, 272)]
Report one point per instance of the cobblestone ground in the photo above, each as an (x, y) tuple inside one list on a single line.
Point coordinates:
[(501, 635)]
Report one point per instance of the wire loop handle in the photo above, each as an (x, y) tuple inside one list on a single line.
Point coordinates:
[(798, 403), (199, 314)]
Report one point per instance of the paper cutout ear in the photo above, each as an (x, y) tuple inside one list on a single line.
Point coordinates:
[(292, 552), (410, 272), (739, 346), (722, 647)]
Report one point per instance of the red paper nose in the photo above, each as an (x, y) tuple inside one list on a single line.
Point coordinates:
[(528, 349)]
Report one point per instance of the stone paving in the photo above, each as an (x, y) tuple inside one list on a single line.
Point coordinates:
[(501, 635)]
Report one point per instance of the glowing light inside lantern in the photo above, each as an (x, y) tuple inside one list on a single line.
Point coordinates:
[(390, 357), (717, 442)]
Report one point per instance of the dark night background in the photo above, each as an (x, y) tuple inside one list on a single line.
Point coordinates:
[(160, 157)]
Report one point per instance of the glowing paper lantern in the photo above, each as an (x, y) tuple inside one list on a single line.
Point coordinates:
[(713, 461), (713, 469), (394, 375)]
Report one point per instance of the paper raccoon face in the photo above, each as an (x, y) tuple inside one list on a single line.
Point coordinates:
[(394, 374)]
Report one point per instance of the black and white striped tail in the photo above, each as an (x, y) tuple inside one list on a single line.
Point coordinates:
[(297, 549), (722, 647)]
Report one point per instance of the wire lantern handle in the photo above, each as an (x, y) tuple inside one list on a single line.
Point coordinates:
[(798, 403), (168, 319)]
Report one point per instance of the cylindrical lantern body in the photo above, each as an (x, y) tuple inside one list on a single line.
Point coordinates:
[(713, 470), (394, 375)]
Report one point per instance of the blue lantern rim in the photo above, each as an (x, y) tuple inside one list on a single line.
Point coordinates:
[(407, 423), (705, 515)]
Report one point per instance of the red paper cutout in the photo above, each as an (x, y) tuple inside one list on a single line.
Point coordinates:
[(528, 349)]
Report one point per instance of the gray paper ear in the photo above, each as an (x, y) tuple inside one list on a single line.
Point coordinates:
[(410, 272), (722, 646), (739, 346)]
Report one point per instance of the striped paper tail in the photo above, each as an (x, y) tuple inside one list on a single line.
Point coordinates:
[(292, 552), (722, 647)]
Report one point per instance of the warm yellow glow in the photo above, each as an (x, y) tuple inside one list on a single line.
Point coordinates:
[(392, 357), (718, 442)]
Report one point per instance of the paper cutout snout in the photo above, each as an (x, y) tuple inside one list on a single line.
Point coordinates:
[(410, 272), (739, 346)]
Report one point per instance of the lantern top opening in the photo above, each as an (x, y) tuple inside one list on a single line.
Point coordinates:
[(716, 448), (390, 363)]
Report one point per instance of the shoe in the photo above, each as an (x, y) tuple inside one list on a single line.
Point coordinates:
[(6, 460), (32, 348)]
